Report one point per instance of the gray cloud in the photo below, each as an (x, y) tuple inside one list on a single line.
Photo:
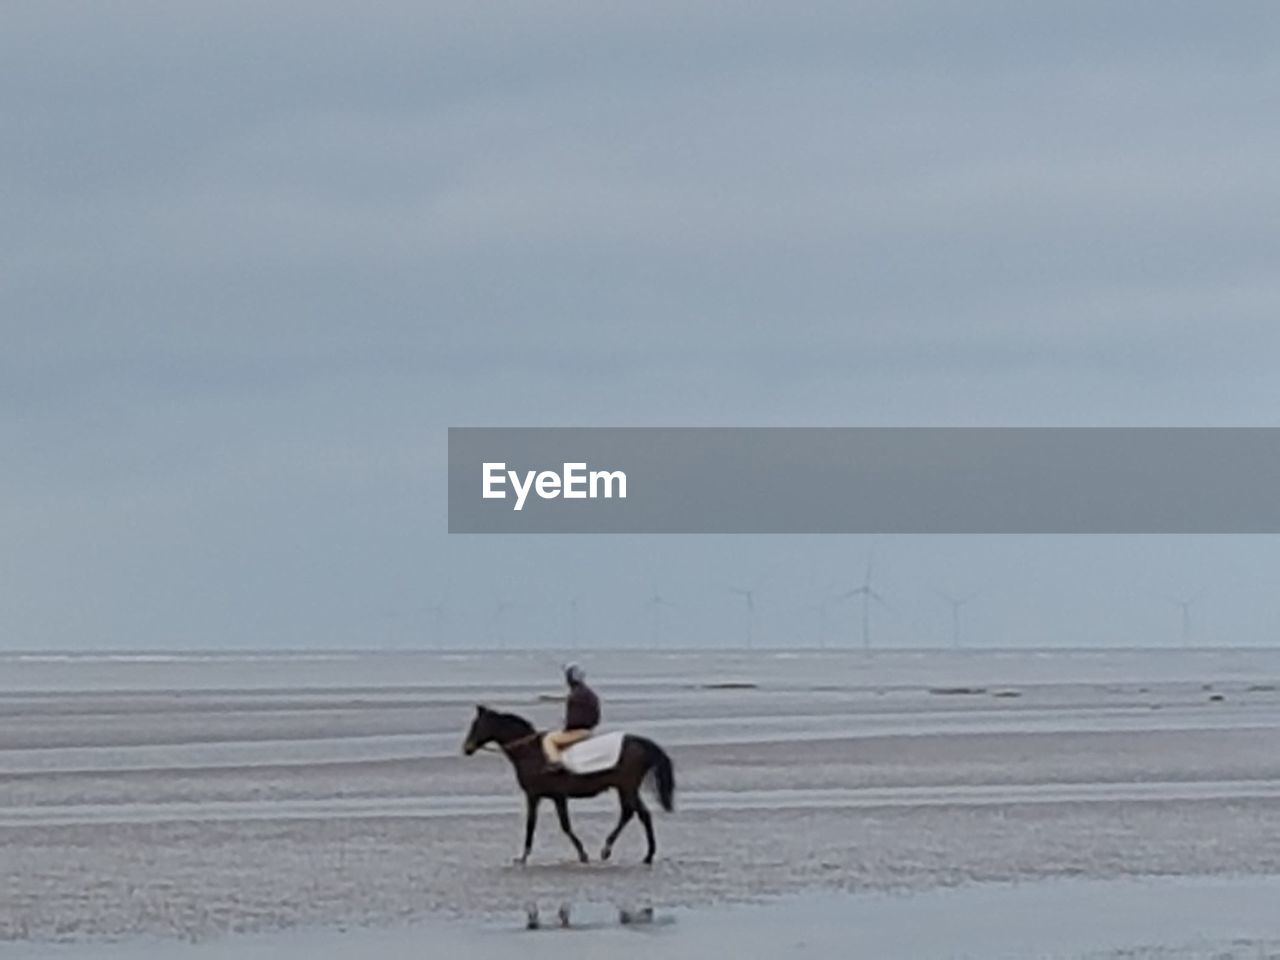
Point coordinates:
[(256, 261)]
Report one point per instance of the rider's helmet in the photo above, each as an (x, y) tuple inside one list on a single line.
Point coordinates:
[(573, 674)]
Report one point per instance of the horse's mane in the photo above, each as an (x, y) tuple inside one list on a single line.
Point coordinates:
[(512, 720)]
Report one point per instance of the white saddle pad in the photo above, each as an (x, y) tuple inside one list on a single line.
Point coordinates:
[(600, 752)]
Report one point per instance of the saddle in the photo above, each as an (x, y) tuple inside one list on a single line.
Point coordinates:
[(595, 754)]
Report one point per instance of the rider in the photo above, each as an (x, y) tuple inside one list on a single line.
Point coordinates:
[(581, 716)]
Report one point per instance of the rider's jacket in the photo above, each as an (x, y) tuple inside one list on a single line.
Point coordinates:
[(582, 708)]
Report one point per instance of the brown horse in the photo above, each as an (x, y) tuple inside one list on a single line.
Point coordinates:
[(523, 747)]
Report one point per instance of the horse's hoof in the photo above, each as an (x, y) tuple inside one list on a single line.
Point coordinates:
[(520, 861), (648, 861), (627, 917), (606, 853), (583, 858)]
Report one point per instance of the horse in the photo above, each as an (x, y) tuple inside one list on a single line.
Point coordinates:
[(522, 745)]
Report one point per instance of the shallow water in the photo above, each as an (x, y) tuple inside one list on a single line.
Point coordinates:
[(495, 670), (466, 805)]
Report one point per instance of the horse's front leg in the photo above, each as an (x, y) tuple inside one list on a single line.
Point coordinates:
[(530, 824), (562, 811)]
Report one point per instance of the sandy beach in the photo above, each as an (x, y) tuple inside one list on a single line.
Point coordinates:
[(218, 799)]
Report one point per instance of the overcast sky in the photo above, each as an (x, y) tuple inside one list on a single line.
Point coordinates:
[(254, 260)]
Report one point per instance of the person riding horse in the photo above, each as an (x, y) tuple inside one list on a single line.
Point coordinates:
[(581, 716)]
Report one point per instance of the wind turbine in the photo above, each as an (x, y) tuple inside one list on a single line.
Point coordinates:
[(437, 621), (868, 593), (655, 604), (573, 623), (1185, 604), (956, 604), (823, 609), (749, 595), (500, 607)]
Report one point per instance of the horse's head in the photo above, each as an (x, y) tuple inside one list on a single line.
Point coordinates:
[(481, 732), (490, 726)]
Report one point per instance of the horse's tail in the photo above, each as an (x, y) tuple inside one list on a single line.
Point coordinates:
[(664, 772)]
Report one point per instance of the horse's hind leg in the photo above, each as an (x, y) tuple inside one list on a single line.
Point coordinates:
[(562, 811), (643, 813), (628, 810)]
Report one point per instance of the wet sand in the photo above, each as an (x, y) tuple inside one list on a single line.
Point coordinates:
[(1172, 919), (191, 799)]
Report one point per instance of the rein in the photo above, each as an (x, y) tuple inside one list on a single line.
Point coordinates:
[(511, 744), (527, 738)]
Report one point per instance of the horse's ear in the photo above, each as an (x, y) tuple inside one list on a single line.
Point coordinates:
[(481, 709)]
